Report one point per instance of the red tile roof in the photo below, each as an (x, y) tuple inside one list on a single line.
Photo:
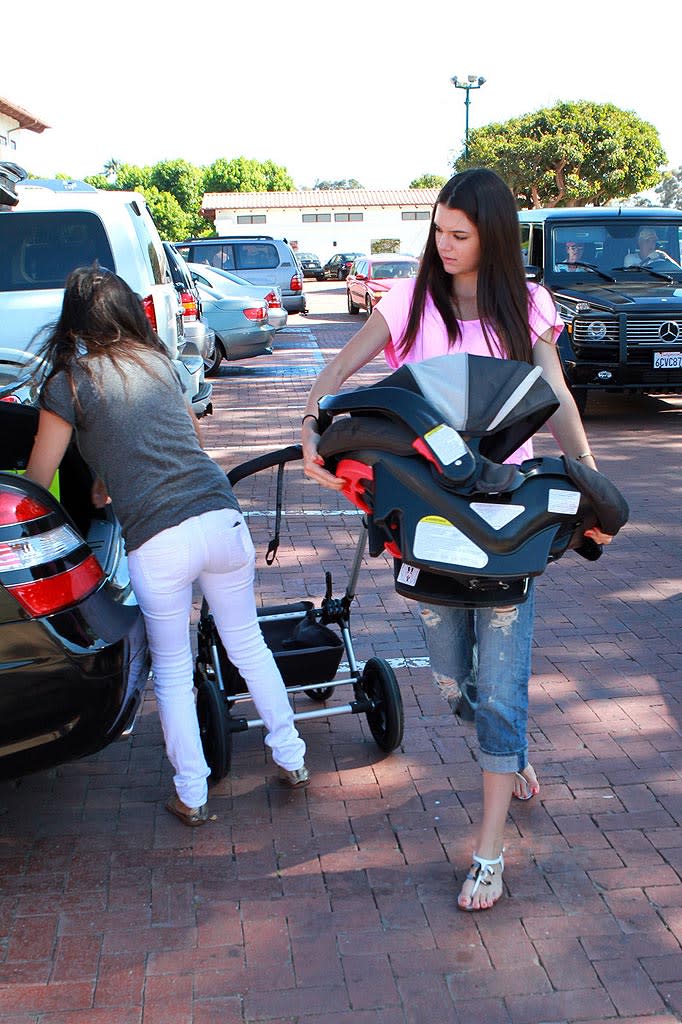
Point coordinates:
[(25, 119), (316, 198)]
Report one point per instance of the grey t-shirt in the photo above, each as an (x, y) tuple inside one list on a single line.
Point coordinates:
[(135, 431)]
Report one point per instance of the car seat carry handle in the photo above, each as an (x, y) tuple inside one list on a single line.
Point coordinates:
[(437, 441), (292, 453)]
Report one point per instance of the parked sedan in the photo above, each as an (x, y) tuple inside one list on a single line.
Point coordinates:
[(198, 339), (310, 265), (338, 266), (73, 655), (371, 277), (224, 282), (240, 324)]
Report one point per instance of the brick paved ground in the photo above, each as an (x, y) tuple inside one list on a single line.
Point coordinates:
[(337, 904)]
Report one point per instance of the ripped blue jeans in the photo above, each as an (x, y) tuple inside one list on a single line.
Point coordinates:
[(488, 649)]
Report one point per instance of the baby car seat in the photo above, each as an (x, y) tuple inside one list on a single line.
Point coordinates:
[(422, 455)]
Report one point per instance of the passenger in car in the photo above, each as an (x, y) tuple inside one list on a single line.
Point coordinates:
[(114, 385)]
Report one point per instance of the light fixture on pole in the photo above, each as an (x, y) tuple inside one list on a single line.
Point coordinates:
[(471, 82)]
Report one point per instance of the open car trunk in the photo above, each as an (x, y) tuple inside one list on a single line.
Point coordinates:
[(72, 486)]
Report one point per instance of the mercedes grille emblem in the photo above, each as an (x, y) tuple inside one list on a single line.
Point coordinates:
[(669, 331)]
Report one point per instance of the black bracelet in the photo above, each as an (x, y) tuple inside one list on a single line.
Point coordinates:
[(311, 416)]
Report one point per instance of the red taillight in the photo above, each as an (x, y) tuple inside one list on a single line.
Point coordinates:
[(296, 283), (10, 398), (272, 299), (31, 557), (46, 596), (149, 311), (256, 313), (189, 306), (19, 508)]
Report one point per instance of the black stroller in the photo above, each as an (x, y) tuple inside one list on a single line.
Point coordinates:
[(307, 650)]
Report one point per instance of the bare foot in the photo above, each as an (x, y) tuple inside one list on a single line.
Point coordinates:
[(482, 886), (526, 783)]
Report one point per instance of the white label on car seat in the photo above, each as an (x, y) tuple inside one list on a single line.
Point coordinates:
[(446, 443), (408, 574), (564, 502), (437, 540), (497, 516)]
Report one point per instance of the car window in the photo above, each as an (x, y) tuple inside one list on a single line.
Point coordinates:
[(256, 256), (150, 242), (394, 269), (39, 250)]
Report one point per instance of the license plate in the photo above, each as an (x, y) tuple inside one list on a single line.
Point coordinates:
[(667, 360)]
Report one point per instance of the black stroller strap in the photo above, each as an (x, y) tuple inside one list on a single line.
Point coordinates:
[(271, 553)]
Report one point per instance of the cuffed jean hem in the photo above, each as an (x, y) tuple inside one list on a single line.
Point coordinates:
[(502, 764)]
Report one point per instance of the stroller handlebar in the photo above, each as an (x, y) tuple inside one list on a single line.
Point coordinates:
[(292, 453)]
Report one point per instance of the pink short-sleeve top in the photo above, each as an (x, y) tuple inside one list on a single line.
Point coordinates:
[(432, 337)]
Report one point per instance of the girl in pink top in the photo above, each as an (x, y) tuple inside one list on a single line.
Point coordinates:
[(471, 295)]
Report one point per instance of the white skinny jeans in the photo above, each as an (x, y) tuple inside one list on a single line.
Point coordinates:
[(214, 549)]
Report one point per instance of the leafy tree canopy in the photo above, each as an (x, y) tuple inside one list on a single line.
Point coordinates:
[(429, 181), (669, 190), (343, 183), (171, 220), (182, 180), (243, 175), (571, 154)]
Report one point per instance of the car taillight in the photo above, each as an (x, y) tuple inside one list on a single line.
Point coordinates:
[(296, 283), (189, 306), (272, 299), (44, 564), (149, 311), (256, 313)]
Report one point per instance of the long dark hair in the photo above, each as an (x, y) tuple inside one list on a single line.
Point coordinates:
[(101, 316), (501, 292)]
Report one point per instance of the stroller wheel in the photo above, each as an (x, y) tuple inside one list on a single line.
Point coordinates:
[(386, 723), (216, 738), (321, 694)]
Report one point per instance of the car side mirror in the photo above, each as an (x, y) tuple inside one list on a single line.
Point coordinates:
[(533, 273), (361, 277)]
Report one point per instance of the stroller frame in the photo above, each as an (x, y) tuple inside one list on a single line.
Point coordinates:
[(220, 688)]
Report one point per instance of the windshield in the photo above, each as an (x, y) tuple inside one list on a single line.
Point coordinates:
[(396, 268), (616, 248)]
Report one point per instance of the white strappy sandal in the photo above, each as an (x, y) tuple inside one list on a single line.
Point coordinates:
[(480, 873)]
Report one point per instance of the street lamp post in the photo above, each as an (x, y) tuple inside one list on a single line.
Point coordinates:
[(471, 82)]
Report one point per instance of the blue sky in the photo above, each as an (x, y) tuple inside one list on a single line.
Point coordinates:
[(329, 91)]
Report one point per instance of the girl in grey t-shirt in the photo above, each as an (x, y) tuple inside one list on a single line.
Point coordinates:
[(113, 384)]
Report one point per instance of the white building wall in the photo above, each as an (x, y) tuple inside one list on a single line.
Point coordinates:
[(10, 139), (326, 238)]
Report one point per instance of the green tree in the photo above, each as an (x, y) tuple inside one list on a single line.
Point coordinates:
[(243, 175), (111, 168), (98, 181), (343, 183), (669, 190), (571, 154), (278, 178), (429, 181), (171, 220), (182, 179), (131, 178)]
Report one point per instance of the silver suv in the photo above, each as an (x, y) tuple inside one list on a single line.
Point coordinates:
[(55, 226), (259, 259)]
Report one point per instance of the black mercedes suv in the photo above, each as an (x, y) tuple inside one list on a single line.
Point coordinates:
[(616, 277)]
